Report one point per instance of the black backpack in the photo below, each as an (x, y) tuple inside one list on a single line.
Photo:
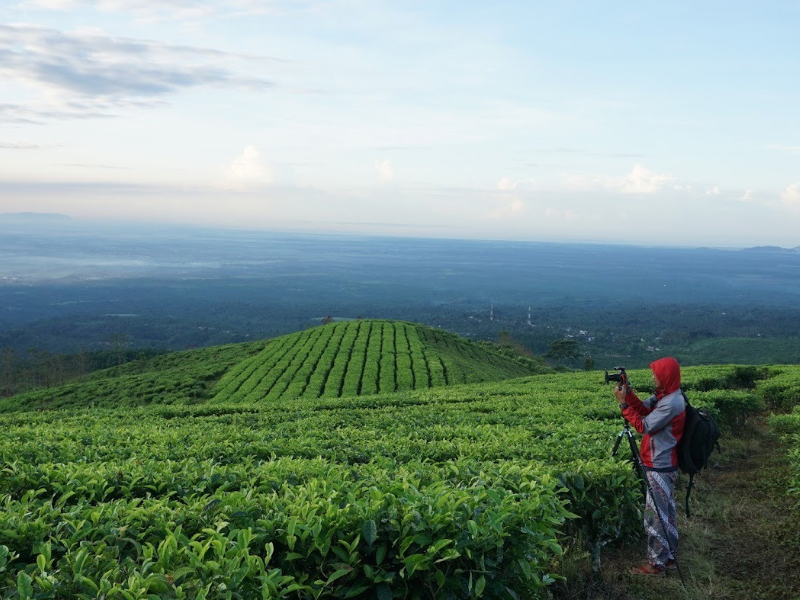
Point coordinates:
[(700, 436)]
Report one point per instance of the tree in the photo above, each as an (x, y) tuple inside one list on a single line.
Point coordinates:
[(563, 350), (119, 343), (510, 346), (326, 320), (8, 372)]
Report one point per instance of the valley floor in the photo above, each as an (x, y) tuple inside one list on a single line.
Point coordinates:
[(742, 541)]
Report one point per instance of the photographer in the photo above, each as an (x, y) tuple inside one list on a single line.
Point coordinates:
[(660, 418)]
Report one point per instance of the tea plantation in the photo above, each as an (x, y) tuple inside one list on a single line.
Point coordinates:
[(353, 358), (234, 490)]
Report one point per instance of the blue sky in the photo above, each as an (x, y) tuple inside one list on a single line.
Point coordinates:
[(672, 123)]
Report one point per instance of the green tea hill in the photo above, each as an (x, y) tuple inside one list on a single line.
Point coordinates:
[(354, 358), (481, 490)]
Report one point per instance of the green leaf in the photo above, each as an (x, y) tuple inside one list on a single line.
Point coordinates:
[(355, 591), (415, 562), (525, 566), (336, 575), (440, 578), (480, 585), (24, 587), (383, 592), (292, 556), (370, 532), (473, 528), (449, 554), (63, 499), (438, 545)]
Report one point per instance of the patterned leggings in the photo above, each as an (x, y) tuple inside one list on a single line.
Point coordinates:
[(663, 486)]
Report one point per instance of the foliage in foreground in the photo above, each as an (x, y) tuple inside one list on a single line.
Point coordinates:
[(466, 491), (783, 392)]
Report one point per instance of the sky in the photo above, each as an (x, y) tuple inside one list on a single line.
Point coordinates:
[(663, 123)]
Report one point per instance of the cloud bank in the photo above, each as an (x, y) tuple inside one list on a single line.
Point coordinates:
[(82, 74)]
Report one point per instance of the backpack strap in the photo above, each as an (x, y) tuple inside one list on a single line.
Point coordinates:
[(689, 465), (688, 493)]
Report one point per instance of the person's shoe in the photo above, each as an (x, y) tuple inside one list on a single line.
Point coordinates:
[(648, 569), (671, 564)]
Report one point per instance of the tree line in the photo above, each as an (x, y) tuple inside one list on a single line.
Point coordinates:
[(35, 369)]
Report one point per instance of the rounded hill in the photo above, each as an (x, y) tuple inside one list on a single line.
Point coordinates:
[(357, 358), (352, 358)]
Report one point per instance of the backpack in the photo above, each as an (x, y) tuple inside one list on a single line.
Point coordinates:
[(700, 436)]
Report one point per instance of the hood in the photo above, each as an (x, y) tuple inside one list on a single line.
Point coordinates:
[(668, 372)]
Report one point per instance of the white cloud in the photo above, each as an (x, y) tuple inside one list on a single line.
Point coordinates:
[(784, 148), (640, 181), (181, 9), (506, 184), (713, 191), (511, 207), (247, 170), (18, 146), (791, 195), (385, 169), (747, 196)]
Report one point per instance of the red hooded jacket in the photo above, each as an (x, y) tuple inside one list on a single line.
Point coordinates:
[(660, 418)]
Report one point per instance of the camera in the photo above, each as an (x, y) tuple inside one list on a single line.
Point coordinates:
[(620, 377)]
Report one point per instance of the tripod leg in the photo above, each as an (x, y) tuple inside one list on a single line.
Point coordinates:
[(637, 463)]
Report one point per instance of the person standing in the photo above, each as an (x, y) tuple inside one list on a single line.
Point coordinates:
[(661, 419)]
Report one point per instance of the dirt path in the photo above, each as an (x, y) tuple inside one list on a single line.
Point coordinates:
[(743, 540)]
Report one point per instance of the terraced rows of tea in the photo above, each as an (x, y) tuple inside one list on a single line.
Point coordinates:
[(355, 358), (463, 491), (360, 358), (309, 466)]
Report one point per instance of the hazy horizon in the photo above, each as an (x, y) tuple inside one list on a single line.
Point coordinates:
[(56, 221)]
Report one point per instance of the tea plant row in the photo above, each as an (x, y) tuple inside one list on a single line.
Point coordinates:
[(360, 358), (463, 491)]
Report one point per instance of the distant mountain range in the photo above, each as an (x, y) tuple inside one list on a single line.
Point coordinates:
[(34, 217), (772, 249)]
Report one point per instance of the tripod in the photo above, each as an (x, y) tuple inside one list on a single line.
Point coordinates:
[(640, 471)]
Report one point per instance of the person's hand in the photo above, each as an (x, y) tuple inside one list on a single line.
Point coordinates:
[(620, 392)]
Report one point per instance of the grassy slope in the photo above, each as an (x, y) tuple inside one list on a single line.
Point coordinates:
[(323, 361), (176, 377)]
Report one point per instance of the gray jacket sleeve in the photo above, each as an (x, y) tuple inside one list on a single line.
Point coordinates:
[(658, 419)]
